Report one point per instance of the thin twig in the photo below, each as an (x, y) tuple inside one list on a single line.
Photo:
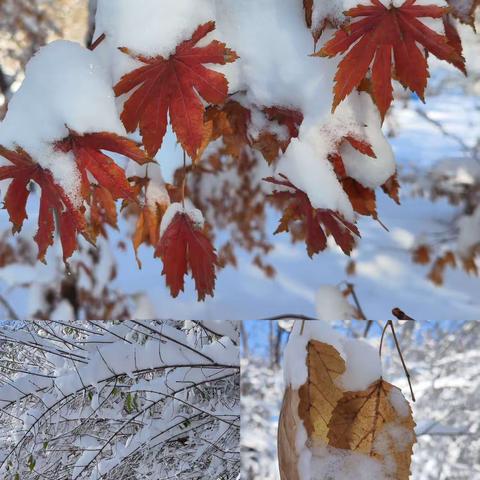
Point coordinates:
[(184, 179), (11, 313), (302, 327), (289, 316), (97, 42), (407, 374)]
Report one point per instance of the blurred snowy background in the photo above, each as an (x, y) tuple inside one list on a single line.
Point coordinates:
[(437, 150), (443, 359)]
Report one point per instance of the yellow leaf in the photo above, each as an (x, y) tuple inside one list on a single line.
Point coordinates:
[(319, 395), (377, 422), (287, 433)]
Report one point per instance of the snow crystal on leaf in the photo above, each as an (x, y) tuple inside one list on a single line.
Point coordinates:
[(189, 209), (312, 173), (337, 464), (399, 403)]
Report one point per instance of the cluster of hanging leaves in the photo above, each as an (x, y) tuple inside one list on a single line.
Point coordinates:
[(215, 130), (426, 254), (56, 207), (239, 205), (162, 87), (365, 422), (440, 251), (378, 41), (174, 88), (379, 44), (155, 89)]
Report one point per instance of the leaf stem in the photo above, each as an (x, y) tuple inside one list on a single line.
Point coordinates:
[(405, 369), (184, 180)]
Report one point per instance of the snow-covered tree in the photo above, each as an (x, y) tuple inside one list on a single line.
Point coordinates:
[(130, 400)]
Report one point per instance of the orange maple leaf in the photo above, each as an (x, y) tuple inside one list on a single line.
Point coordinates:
[(54, 203), (147, 228), (174, 85), (318, 222), (232, 120), (103, 211), (88, 151), (381, 32), (184, 245)]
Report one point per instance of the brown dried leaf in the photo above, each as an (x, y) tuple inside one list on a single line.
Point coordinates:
[(392, 188), (287, 432), (319, 395), (351, 268), (363, 199), (367, 422), (421, 255)]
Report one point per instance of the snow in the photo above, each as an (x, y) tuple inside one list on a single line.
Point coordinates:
[(156, 193), (65, 86), (332, 305), (307, 172), (188, 209), (295, 368), (384, 276), (336, 464), (469, 235), (363, 365), (114, 393), (150, 27), (370, 172), (332, 10), (399, 403)]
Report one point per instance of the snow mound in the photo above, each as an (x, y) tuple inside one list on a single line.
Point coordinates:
[(65, 86)]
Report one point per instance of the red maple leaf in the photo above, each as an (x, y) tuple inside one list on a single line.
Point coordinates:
[(381, 32), (54, 203), (183, 245), (175, 85), (454, 40), (318, 222), (88, 151)]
